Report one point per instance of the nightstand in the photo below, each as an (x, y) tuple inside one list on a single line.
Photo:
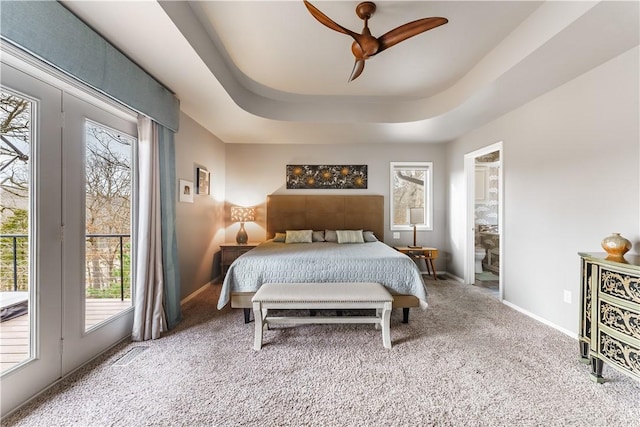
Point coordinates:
[(230, 251), (427, 254)]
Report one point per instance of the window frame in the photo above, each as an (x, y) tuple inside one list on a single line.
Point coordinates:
[(428, 194)]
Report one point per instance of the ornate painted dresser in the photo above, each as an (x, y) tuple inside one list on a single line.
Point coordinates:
[(610, 314)]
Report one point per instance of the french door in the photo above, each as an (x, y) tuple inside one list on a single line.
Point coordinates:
[(41, 364), (77, 190), (97, 152)]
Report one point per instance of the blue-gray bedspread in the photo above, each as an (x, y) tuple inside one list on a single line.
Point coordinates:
[(321, 262)]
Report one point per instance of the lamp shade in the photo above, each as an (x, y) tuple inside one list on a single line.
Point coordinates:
[(240, 214), (416, 215)]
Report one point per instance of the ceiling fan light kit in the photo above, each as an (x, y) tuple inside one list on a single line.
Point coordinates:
[(364, 44)]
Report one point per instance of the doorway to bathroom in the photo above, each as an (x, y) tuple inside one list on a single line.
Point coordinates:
[(484, 178)]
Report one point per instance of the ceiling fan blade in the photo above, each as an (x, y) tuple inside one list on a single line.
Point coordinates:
[(328, 22), (358, 67), (407, 30)]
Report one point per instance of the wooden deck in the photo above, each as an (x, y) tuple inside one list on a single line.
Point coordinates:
[(14, 333)]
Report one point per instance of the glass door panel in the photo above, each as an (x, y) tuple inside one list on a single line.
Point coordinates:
[(16, 140), (108, 186), (30, 222), (98, 146)]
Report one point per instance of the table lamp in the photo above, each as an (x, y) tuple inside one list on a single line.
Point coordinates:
[(242, 215), (416, 216)]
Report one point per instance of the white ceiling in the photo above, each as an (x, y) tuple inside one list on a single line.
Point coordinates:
[(268, 72)]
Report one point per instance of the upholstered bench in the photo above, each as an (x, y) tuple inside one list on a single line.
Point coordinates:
[(318, 296)]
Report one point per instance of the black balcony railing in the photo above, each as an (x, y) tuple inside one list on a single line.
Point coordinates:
[(14, 251), (14, 259)]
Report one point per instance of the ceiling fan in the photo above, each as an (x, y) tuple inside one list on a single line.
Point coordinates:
[(365, 45)]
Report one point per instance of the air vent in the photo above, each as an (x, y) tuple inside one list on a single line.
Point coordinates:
[(128, 357)]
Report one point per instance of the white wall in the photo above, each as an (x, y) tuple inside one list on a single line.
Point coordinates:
[(200, 225), (257, 170), (571, 177)]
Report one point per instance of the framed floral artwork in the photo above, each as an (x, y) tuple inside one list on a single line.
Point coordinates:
[(326, 176)]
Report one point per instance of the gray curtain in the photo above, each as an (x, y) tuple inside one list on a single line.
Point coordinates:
[(168, 226), (156, 297)]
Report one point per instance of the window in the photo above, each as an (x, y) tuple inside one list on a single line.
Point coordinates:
[(108, 222), (411, 187), (16, 278)]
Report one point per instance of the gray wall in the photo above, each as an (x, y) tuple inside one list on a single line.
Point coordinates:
[(257, 170), (571, 177), (200, 225)]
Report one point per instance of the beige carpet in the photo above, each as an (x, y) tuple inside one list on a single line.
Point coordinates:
[(467, 361)]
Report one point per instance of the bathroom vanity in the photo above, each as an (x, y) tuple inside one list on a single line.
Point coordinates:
[(610, 313)]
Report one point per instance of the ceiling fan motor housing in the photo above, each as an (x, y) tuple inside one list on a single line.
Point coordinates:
[(365, 9)]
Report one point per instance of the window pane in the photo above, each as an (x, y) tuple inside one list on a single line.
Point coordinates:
[(410, 188), (108, 222), (408, 192), (15, 150)]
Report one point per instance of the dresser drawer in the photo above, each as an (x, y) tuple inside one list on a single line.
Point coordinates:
[(620, 285), (621, 319), (230, 255), (619, 353)]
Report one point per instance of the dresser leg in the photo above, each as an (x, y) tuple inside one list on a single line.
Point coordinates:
[(596, 370), (584, 352)]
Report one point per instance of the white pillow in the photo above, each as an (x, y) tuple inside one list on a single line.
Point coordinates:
[(350, 236), (299, 236)]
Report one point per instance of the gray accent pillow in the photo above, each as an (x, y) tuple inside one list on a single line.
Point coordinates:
[(279, 237), (369, 236), (330, 236), (318, 236)]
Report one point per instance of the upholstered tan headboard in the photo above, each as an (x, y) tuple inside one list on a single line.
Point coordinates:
[(325, 213)]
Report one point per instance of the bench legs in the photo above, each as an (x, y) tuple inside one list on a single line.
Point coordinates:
[(385, 323), (381, 321), (259, 316)]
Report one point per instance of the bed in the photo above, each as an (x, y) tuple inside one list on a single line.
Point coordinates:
[(322, 262)]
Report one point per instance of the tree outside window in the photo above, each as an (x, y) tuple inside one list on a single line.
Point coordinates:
[(15, 145)]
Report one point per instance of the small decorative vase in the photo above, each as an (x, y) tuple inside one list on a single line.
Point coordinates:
[(241, 237), (616, 245)]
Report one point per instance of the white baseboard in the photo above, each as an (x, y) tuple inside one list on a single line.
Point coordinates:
[(454, 277), (195, 293), (573, 335)]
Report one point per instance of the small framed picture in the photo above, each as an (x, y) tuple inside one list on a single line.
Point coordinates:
[(203, 181), (186, 191)]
